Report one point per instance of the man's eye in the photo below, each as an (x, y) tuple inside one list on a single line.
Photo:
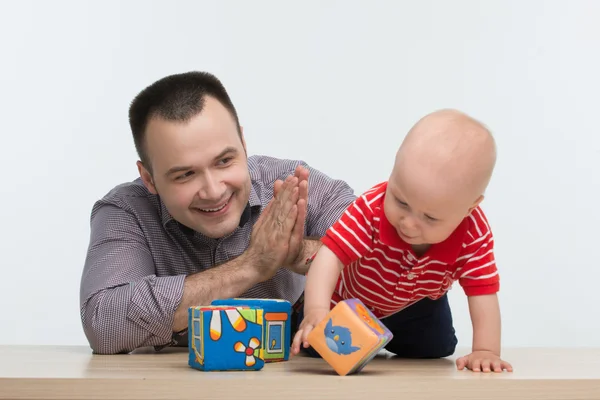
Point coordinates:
[(184, 175), (225, 160)]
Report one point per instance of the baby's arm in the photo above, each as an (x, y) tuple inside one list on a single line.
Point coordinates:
[(485, 318), (320, 283), (479, 277), (321, 280)]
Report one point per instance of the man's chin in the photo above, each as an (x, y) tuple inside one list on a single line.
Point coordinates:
[(216, 229)]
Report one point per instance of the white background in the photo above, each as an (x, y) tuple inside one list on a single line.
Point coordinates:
[(317, 81)]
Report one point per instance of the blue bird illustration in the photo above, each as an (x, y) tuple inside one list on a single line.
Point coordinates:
[(339, 339)]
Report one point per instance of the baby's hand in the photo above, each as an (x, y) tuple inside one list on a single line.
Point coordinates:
[(311, 318), (485, 361)]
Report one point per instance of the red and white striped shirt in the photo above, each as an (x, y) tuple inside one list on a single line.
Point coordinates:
[(384, 272)]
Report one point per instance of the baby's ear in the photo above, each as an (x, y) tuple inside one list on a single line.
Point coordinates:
[(476, 203)]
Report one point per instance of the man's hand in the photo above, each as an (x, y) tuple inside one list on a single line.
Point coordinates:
[(296, 241), (270, 239), (485, 361)]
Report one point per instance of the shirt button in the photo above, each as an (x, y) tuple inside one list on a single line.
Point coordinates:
[(410, 276)]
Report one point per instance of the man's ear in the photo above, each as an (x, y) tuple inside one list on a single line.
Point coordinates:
[(475, 204), (243, 139), (146, 178)]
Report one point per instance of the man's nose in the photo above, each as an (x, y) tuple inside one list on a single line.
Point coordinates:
[(210, 189)]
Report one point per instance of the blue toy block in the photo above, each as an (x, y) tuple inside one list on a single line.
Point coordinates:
[(225, 338), (277, 325)]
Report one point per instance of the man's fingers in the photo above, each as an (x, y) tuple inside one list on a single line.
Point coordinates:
[(288, 188), (263, 215), (291, 218), (298, 230), (277, 187), (301, 172), (286, 215), (303, 192)]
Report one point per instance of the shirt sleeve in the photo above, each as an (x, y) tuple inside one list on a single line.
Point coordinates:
[(351, 236), (123, 304), (477, 272)]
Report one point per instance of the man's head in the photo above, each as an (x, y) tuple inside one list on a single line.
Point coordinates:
[(440, 175), (192, 151)]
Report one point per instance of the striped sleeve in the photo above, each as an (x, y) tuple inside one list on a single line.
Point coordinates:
[(351, 236), (477, 272)]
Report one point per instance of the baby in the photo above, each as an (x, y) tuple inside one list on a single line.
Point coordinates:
[(400, 246)]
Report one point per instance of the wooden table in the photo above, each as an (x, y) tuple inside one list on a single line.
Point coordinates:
[(40, 372)]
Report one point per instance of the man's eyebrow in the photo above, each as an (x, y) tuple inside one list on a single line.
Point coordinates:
[(229, 149), (172, 170)]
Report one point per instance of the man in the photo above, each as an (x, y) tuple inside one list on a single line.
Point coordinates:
[(203, 221)]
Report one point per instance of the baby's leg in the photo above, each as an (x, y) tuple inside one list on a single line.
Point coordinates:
[(423, 330)]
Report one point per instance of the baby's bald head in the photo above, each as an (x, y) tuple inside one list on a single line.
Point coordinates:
[(440, 174), (451, 149)]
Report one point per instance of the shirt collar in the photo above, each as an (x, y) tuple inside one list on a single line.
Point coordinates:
[(446, 251)]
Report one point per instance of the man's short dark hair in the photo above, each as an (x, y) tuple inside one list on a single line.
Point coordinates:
[(175, 98)]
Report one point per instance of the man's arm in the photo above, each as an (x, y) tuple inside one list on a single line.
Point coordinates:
[(124, 305), (230, 279), (310, 247)]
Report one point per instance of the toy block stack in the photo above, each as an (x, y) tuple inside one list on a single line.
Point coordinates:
[(349, 337), (239, 334)]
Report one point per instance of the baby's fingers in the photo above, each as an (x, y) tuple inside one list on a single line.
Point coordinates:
[(485, 365), (307, 329), (296, 342), (507, 366), (475, 365)]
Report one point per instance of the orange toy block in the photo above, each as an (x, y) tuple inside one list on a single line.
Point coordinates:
[(349, 337)]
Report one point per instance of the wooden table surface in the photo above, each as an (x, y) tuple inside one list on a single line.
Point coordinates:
[(46, 372)]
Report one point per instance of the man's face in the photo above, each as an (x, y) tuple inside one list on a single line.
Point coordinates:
[(199, 168)]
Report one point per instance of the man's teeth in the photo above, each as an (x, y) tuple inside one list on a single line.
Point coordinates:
[(213, 209)]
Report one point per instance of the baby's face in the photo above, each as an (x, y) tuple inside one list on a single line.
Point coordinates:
[(421, 212)]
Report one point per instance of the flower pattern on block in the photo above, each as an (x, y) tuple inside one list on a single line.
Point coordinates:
[(253, 344)]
